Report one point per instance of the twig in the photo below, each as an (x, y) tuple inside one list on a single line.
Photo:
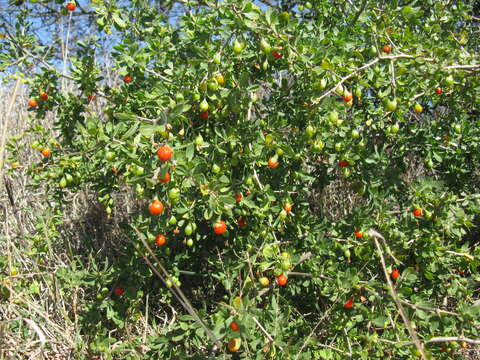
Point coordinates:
[(468, 256), (36, 328), (65, 57), (161, 77), (177, 292), (5, 125), (11, 199), (348, 343), (265, 331), (395, 297), (427, 308), (463, 67), (443, 339)]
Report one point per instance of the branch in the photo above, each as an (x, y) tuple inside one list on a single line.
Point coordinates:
[(443, 339), (427, 308), (177, 292), (463, 67), (265, 332), (395, 297)]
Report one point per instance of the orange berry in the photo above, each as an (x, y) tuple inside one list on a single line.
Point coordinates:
[(272, 163), (160, 240), (155, 207), (165, 153)]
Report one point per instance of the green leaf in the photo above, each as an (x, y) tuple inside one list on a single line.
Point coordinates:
[(124, 116), (118, 21), (190, 151)]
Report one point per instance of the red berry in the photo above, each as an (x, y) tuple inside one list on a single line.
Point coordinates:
[(165, 153), (276, 54), (387, 49), (282, 280), (438, 91), (71, 6), (127, 79), (238, 197), (118, 290), (220, 227), (347, 97), (44, 96), (160, 240), (203, 115), (242, 221), (348, 304), (358, 234), (417, 212), (166, 178), (234, 326), (395, 274), (343, 163), (32, 103), (155, 207)]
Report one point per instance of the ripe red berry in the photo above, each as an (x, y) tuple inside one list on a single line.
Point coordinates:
[(238, 197), (32, 103), (220, 227), (155, 207), (348, 304), (166, 178), (395, 274), (71, 6), (234, 326), (343, 163), (127, 79), (242, 221), (118, 290), (165, 153), (387, 49), (417, 212), (203, 115), (438, 91), (347, 97), (44, 96), (358, 234), (160, 240), (276, 54), (282, 280)]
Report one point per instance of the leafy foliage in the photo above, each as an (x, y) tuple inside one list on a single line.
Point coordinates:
[(303, 108)]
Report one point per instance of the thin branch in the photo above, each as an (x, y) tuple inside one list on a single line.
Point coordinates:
[(443, 339), (468, 256), (427, 308), (265, 331), (395, 297), (177, 292), (463, 67)]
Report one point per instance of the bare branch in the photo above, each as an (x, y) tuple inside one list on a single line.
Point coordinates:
[(395, 297)]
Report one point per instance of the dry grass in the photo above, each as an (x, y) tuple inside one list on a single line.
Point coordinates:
[(45, 324)]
